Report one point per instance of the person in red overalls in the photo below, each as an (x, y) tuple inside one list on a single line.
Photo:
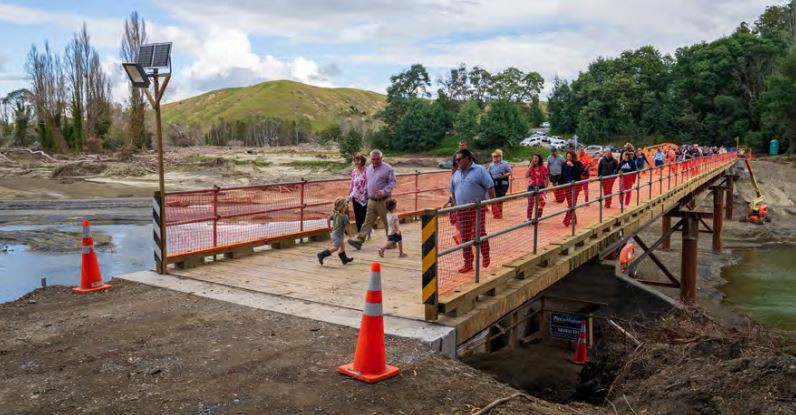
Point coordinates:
[(537, 180), (586, 160)]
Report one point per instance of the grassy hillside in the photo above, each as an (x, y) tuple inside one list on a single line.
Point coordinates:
[(287, 100)]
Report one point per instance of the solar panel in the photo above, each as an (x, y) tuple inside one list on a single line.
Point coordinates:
[(154, 55), (145, 53), (161, 56)]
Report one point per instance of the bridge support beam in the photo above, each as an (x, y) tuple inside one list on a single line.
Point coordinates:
[(729, 194), (688, 270), (666, 224), (718, 217)]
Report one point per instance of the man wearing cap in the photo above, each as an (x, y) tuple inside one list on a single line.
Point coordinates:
[(471, 183), (554, 164), (381, 181)]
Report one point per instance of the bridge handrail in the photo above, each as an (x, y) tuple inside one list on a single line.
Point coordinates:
[(655, 180)]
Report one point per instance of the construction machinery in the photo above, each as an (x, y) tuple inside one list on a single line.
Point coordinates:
[(757, 211)]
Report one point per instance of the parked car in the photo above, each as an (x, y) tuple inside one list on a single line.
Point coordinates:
[(446, 164), (545, 124), (557, 142), (593, 149), (532, 142)]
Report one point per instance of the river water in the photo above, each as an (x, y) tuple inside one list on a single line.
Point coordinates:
[(21, 270), (763, 285)]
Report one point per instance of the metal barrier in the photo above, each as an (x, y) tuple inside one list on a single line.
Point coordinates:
[(486, 243)]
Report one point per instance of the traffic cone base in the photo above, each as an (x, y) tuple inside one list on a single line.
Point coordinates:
[(102, 287), (389, 371)]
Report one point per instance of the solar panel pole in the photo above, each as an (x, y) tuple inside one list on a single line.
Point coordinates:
[(161, 177)]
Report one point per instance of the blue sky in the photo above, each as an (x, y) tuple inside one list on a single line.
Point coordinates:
[(360, 43)]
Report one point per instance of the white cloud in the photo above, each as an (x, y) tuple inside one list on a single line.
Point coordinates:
[(213, 40), (223, 57), (104, 32)]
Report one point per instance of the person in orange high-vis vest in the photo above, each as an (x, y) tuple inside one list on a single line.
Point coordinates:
[(586, 160)]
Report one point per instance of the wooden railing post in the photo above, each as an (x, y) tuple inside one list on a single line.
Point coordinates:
[(430, 287)]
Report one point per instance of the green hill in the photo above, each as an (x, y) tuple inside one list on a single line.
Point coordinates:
[(283, 99)]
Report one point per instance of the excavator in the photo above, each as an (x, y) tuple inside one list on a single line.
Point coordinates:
[(758, 209)]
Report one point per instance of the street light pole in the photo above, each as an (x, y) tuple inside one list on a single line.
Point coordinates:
[(152, 57), (161, 179), (155, 102)]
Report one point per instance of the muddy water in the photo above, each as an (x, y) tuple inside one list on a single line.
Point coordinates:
[(21, 270), (763, 285)]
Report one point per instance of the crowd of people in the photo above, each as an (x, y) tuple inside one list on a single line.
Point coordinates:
[(371, 186)]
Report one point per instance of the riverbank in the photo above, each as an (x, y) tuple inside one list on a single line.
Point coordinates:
[(777, 179)]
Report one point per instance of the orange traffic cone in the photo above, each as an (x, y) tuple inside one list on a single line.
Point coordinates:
[(369, 359), (580, 353), (90, 276)]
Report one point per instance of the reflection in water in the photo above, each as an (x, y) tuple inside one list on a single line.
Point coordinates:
[(763, 285), (21, 270)]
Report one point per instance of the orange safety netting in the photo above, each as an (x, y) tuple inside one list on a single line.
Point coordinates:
[(212, 220), (508, 231)]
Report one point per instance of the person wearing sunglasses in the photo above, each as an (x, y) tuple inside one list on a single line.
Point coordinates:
[(471, 183)]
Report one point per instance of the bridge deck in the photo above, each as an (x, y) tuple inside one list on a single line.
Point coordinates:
[(294, 272)]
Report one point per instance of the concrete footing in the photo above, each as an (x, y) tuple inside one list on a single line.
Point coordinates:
[(439, 338)]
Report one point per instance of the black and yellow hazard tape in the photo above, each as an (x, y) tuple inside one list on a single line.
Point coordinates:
[(429, 253)]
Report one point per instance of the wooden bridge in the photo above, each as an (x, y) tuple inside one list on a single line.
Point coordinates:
[(265, 239)]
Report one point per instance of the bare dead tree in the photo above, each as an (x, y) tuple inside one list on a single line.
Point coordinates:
[(90, 90), (48, 94), (134, 36)]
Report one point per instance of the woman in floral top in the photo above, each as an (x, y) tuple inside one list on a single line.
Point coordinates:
[(358, 192), (537, 180)]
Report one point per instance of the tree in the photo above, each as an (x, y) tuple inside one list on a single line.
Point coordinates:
[(502, 125), (480, 80), (422, 127), (19, 104), (48, 95), (454, 85), (412, 83), (562, 108), (780, 98), (466, 121), (350, 144), (330, 134), (134, 36)]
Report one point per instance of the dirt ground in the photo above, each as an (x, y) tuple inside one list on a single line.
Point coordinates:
[(693, 364), (137, 349), (25, 175)]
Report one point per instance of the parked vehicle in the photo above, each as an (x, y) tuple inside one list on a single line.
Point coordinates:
[(545, 124), (594, 149), (557, 142), (446, 164), (532, 142)]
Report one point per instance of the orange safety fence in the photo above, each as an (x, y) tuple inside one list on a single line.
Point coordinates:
[(218, 219), (519, 224)]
